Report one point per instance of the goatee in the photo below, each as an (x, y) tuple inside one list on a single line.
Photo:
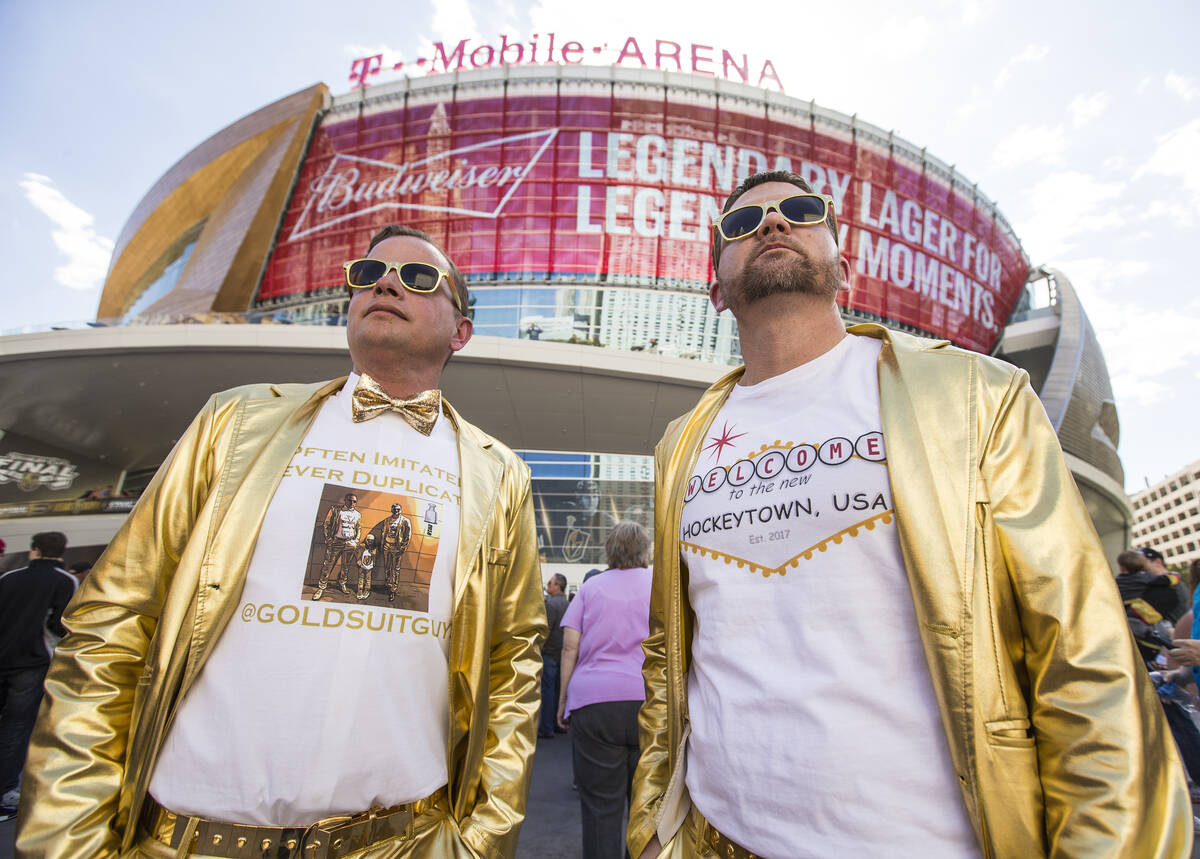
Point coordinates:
[(791, 272)]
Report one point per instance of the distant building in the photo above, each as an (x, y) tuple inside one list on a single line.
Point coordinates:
[(1167, 516)]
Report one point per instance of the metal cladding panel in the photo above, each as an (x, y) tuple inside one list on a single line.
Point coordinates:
[(618, 183)]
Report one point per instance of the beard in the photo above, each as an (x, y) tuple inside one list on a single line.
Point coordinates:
[(795, 273)]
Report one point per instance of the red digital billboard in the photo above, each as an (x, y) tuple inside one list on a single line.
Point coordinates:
[(619, 184)]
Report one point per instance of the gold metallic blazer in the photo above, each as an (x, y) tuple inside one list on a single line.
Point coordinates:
[(142, 625), (1058, 740)]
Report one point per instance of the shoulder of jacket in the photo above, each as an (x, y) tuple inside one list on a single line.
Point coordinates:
[(928, 352), (269, 391)]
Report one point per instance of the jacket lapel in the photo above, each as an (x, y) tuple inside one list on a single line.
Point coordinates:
[(931, 471), (480, 473), (267, 436)]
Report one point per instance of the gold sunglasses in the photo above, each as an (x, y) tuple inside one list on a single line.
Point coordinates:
[(419, 277), (801, 209)]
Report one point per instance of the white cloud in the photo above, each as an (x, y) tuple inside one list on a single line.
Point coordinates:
[(973, 11), (1143, 85), (1126, 329), (1177, 155), (1031, 144), (453, 19), (1114, 162), (1031, 54), (1184, 87), (1085, 108), (87, 253), (1065, 206)]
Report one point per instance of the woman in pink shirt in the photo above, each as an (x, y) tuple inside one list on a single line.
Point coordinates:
[(602, 687)]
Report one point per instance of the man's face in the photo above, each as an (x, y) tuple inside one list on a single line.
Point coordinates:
[(779, 257), (552, 587), (389, 320), (350, 501)]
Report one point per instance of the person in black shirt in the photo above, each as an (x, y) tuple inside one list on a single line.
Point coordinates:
[(32, 599), (556, 607)]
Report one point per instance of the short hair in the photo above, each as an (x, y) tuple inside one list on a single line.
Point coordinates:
[(761, 179), (350, 495), (1150, 553), (627, 546), (561, 581), (1132, 562), (457, 282), (51, 544)]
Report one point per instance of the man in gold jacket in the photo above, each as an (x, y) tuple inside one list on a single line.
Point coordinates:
[(147, 631), (1027, 725)]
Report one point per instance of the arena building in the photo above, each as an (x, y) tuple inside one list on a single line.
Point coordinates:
[(577, 201)]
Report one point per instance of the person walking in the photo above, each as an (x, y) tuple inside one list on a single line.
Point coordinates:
[(602, 686), (556, 607), (32, 599)]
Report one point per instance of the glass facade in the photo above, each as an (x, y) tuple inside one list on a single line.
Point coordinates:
[(162, 284), (578, 497)]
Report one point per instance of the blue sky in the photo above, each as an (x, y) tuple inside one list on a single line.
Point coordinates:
[(1081, 120)]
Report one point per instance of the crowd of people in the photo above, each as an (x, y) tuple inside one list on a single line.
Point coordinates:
[(875, 619)]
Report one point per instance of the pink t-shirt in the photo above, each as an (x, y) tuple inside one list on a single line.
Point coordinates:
[(612, 613)]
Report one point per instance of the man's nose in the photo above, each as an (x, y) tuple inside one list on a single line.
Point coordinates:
[(774, 222), (389, 284)]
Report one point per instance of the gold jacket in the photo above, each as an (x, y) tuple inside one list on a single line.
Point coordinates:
[(142, 625), (1058, 740)]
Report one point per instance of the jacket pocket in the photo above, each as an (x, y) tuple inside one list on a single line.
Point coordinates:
[(499, 558), (1013, 733)]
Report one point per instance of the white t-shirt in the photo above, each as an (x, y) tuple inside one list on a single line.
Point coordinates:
[(307, 709), (815, 731)]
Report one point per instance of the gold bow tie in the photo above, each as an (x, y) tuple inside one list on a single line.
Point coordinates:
[(370, 400)]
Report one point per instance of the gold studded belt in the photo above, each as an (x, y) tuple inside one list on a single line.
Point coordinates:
[(709, 839), (326, 839)]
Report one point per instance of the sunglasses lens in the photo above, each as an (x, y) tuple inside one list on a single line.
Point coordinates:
[(803, 209), (419, 276), (365, 272), (741, 222)]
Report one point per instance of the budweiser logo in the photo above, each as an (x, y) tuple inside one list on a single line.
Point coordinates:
[(472, 180)]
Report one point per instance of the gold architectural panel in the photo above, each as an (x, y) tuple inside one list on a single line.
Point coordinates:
[(205, 193)]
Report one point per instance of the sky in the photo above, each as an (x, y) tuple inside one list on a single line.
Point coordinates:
[(1080, 120)]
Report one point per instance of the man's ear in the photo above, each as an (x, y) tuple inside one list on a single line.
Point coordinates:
[(714, 295), (463, 329), (845, 266)]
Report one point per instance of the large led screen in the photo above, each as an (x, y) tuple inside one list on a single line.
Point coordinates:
[(618, 184)]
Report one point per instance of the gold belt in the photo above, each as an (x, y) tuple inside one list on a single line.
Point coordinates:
[(326, 839), (709, 838)]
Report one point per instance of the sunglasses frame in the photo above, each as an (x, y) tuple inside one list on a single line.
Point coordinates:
[(395, 266), (766, 205)]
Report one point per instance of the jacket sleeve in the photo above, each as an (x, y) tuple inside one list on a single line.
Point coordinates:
[(654, 765), (76, 764), (514, 689), (1111, 779), (63, 592)]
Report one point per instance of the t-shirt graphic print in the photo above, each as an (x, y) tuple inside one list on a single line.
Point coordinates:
[(771, 492), (374, 548)]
